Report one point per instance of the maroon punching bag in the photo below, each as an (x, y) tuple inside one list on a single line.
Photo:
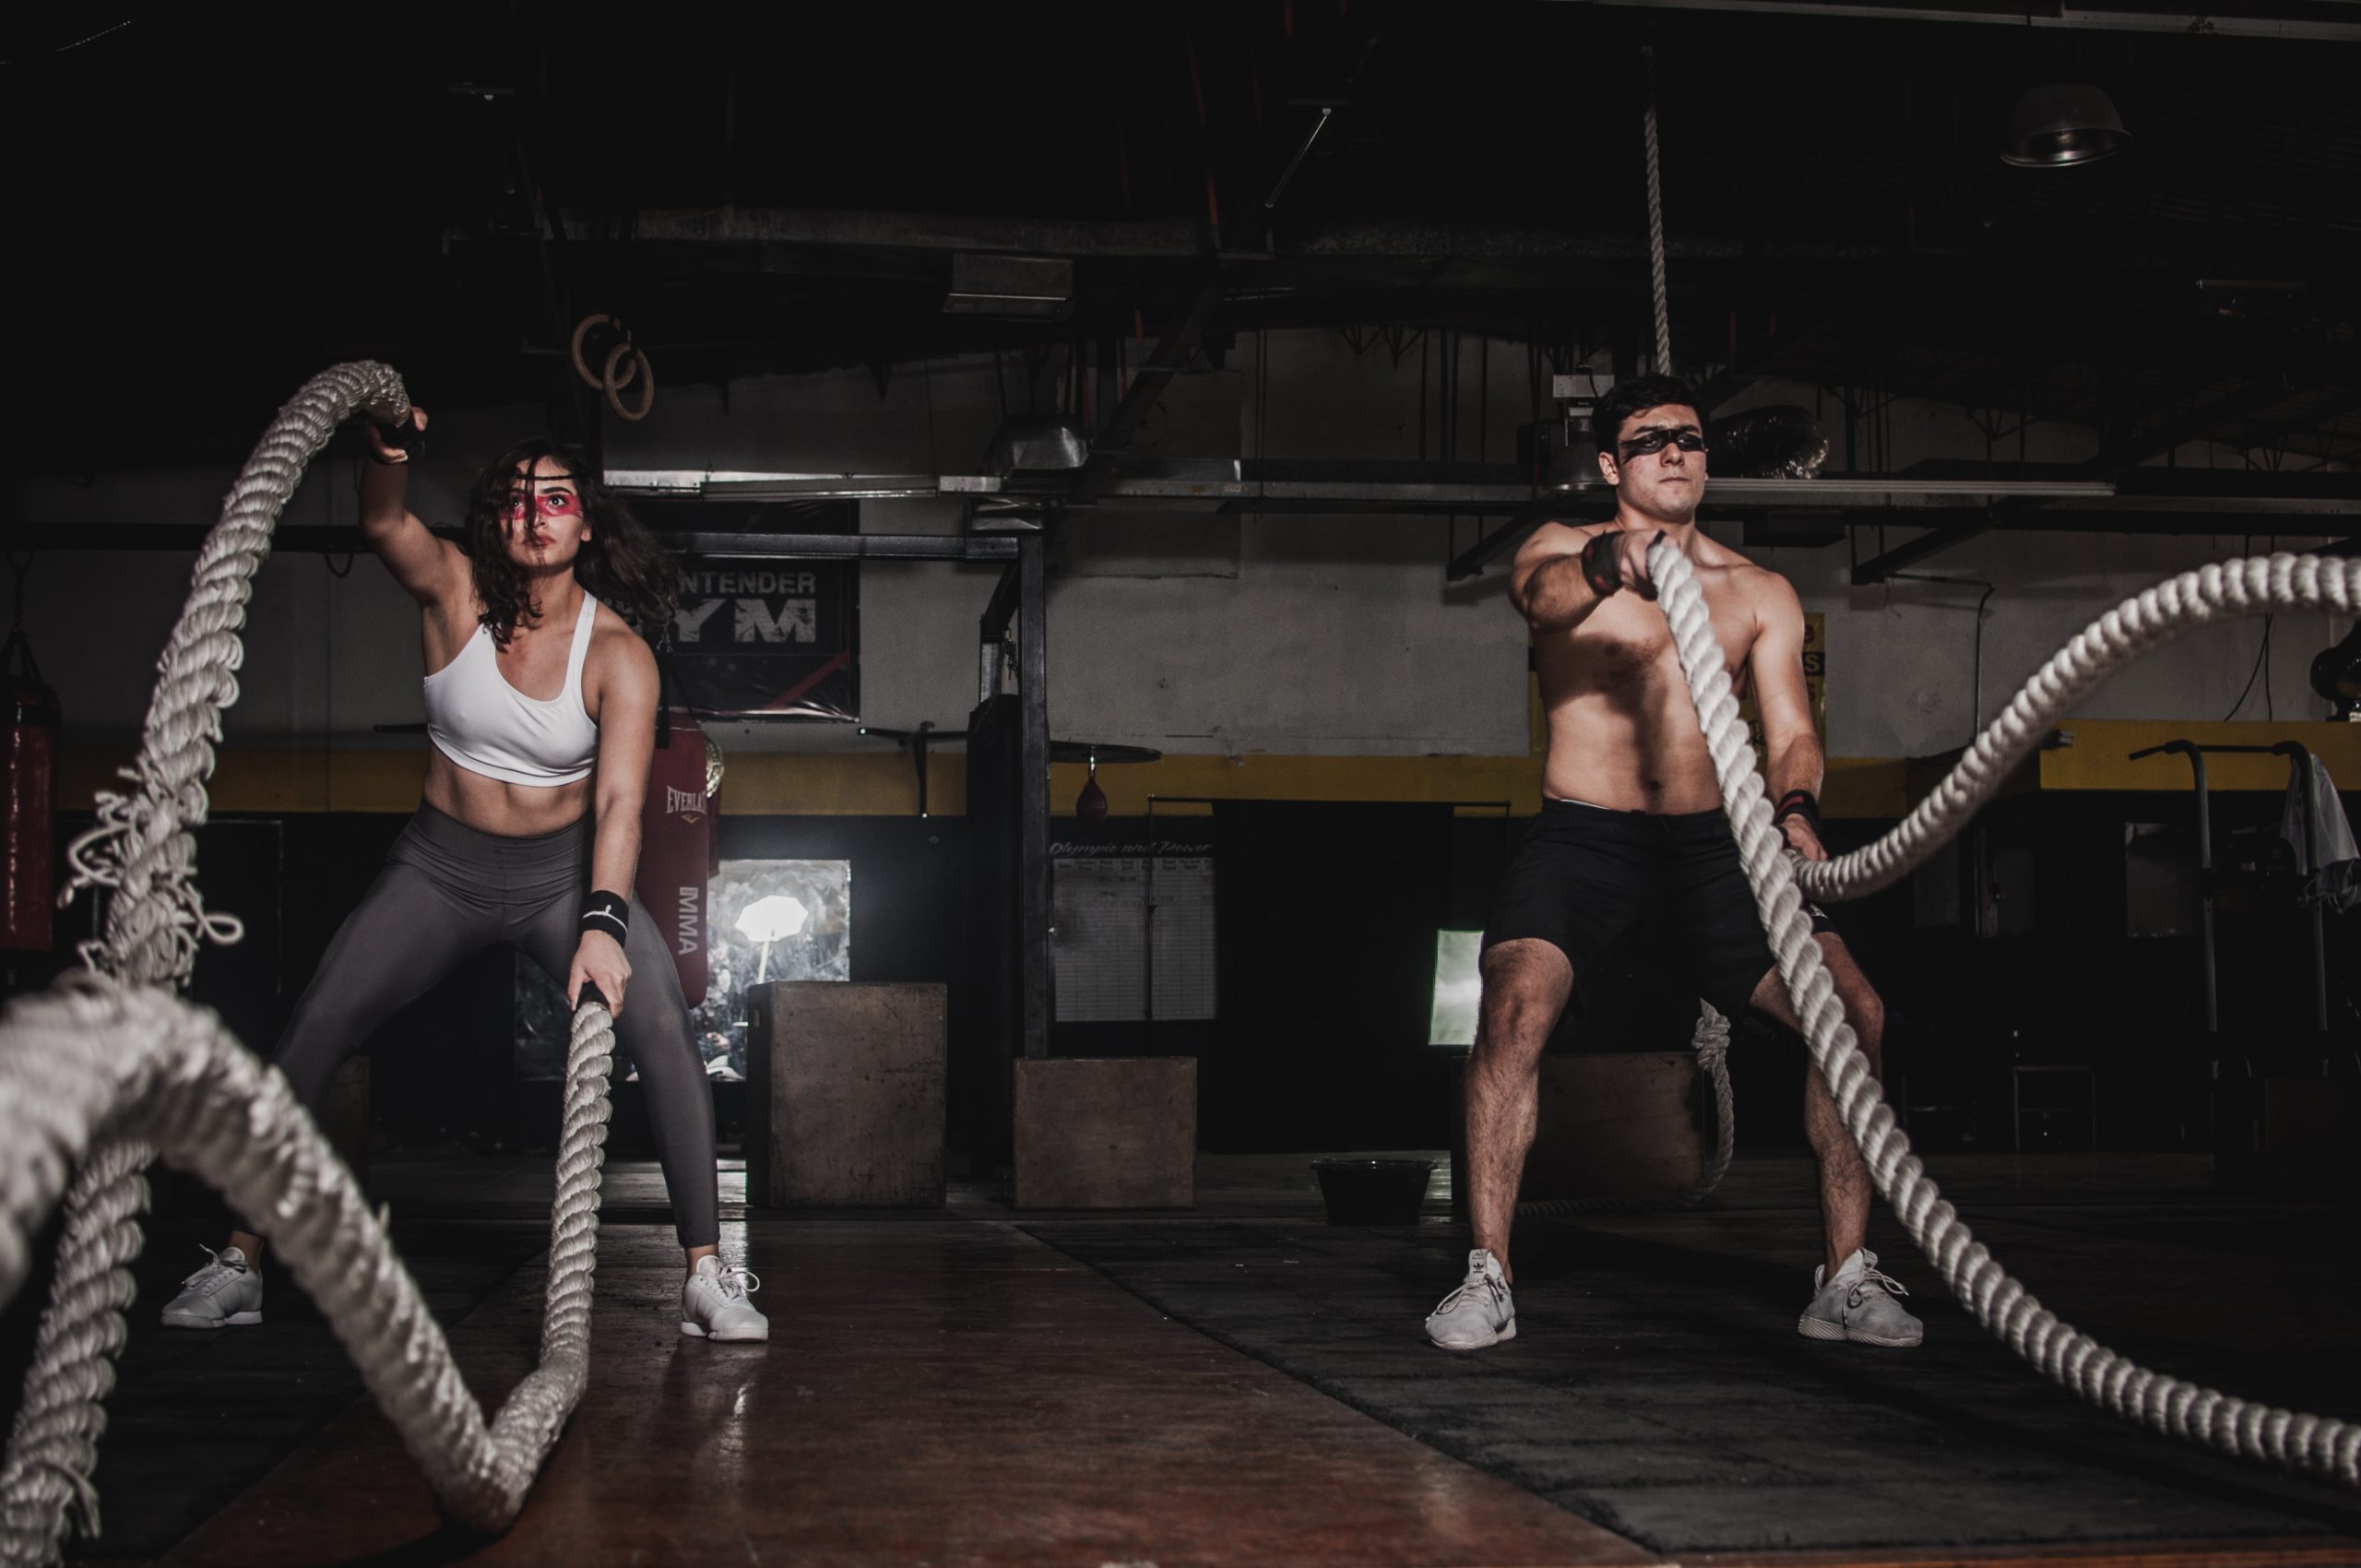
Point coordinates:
[(676, 847), (28, 831)]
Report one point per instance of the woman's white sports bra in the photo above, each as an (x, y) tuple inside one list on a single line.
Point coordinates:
[(479, 720)]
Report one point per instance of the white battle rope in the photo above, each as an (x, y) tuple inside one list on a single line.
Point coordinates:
[(102, 1065), (2297, 1442), (2219, 592), (94, 1056)]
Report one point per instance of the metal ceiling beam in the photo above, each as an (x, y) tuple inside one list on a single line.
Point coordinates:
[(2321, 21), (1489, 489), (316, 541), (2146, 499), (1172, 357), (1149, 238), (2266, 388), (1934, 541), (1423, 242), (1508, 535)]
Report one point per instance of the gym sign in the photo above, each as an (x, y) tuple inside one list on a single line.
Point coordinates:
[(754, 638)]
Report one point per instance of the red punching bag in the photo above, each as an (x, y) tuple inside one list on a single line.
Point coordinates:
[(28, 833), (676, 847)]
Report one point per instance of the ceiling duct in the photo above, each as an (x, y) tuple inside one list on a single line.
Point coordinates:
[(1776, 441), (1036, 445), (1010, 287)]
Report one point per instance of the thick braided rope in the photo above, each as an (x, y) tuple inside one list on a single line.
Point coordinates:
[(1659, 290), (142, 849), (2141, 623), (53, 1440), (142, 846), (1712, 1044), (2071, 1358), (92, 1056)]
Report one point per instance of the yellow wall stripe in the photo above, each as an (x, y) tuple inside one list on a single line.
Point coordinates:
[(264, 779)]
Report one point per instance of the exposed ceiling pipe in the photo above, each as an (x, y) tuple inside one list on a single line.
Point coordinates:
[(2321, 21)]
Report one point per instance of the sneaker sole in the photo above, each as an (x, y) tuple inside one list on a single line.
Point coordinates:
[(1508, 1331), (736, 1336), (1821, 1329), (189, 1320)]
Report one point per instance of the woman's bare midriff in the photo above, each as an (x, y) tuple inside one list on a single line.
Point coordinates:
[(512, 811)]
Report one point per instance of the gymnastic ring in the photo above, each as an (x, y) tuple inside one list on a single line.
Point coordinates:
[(582, 369), (582, 330), (614, 385)]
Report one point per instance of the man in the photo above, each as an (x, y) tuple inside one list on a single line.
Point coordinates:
[(1632, 839)]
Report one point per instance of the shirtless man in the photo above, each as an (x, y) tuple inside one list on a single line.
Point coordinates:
[(1632, 837)]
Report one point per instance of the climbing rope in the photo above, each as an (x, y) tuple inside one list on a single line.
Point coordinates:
[(1658, 289), (2069, 1356), (94, 1070)]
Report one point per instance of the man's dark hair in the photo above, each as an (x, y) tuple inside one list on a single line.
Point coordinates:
[(621, 564), (1627, 397)]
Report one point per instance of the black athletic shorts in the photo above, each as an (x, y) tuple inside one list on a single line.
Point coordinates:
[(1586, 878)]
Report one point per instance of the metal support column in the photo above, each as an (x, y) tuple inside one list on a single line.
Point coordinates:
[(1033, 868), (992, 633)]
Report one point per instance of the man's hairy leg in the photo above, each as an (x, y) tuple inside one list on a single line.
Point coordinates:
[(1526, 983), (1844, 1187)]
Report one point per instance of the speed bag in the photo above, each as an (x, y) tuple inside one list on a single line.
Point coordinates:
[(676, 848)]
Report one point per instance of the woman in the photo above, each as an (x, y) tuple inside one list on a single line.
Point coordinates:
[(540, 702)]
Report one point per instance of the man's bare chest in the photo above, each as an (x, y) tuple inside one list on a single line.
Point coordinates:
[(1626, 642)]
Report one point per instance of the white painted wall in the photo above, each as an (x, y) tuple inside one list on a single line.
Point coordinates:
[(1288, 635)]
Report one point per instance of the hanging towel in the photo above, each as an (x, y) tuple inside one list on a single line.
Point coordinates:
[(2332, 871)]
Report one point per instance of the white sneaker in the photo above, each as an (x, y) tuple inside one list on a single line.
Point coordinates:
[(1859, 1305), (1479, 1313), (225, 1293), (713, 1303)]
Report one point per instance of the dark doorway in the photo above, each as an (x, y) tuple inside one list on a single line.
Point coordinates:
[(1326, 915)]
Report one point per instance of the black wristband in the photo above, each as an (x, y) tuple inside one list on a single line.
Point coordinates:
[(1602, 564), (1798, 803), (609, 913)]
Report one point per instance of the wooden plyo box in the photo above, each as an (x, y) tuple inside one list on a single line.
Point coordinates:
[(844, 1095), (1106, 1132), (1612, 1126)]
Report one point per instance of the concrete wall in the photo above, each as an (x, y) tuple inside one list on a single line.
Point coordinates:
[(1284, 634)]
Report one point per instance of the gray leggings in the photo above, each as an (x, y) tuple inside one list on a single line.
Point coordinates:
[(449, 891)]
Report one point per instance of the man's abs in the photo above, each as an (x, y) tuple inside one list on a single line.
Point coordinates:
[(1623, 733)]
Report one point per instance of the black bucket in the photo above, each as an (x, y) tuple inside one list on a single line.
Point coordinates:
[(1373, 1192)]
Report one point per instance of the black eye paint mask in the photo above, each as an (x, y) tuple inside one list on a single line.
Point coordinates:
[(1689, 439)]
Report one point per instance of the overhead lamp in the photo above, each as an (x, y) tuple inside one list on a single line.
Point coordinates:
[(1572, 458), (2061, 125)]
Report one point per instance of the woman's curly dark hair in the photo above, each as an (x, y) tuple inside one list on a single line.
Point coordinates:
[(621, 564)]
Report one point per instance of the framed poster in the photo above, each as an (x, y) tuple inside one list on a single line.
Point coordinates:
[(754, 637)]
